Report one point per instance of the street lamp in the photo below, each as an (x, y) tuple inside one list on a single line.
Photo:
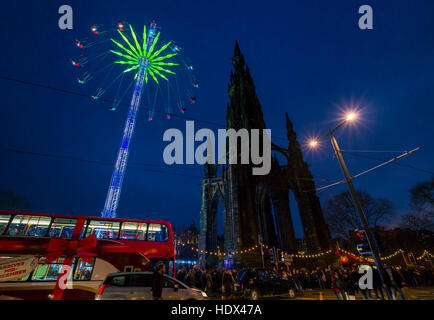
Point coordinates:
[(370, 237), (313, 143), (350, 116)]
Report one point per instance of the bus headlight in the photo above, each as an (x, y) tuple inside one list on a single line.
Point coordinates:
[(204, 294)]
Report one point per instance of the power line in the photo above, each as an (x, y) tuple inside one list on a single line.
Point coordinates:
[(138, 166), (134, 165), (39, 85), (43, 86)]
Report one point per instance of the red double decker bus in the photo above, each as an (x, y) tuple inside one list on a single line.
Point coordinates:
[(122, 245)]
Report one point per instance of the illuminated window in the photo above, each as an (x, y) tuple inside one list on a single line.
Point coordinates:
[(62, 228), (83, 270), (157, 232), (48, 272), (30, 226), (103, 229), (133, 231), (4, 220)]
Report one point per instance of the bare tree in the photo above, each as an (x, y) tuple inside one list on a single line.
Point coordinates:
[(342, 217), (422, 196), (419, 222), (421, 217)]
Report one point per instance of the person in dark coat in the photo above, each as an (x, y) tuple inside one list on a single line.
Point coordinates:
[(227, 284), (197, 278), (376, 283), (351, 279), (157, 282), (219, 280), (394, 282), (337, 284)]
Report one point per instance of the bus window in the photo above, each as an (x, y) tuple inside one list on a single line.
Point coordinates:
[(30, 226), (62, 228), (4, 220), (83, 270), (157, 232), (48, 272), (84, 229), (103, 229), (133, 231)]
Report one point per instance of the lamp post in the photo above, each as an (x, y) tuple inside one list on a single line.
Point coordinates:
[(362, 216), (262, 251), (364, 221)]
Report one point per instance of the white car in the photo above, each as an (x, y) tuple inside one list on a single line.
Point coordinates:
[(138, 286)]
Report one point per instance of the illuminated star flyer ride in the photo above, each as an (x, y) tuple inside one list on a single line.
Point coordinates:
[(148, 63)]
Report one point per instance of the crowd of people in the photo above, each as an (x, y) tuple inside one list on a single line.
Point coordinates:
[(343, 281), (216, 281)]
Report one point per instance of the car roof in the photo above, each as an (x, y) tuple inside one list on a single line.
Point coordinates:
[(138, 272), (126, 273)]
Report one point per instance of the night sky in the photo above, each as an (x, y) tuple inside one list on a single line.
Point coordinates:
[(307, 58)]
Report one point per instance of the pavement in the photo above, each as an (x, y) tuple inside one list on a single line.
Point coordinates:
[(418, 293)]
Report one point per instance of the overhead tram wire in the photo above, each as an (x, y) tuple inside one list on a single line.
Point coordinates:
[(393, 160), (354, 153), (374, 151), (382, 159)]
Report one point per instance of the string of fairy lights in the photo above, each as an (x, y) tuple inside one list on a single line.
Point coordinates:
[(425, 254), (219, 253)]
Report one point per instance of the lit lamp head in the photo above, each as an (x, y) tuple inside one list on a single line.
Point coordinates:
[(350, 116), (313, 143)]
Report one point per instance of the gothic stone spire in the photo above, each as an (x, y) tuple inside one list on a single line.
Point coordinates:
[(244, 109)]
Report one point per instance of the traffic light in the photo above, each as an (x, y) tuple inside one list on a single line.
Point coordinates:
[(282, 257), (361, 234), (363, 246), (412, 258), (271, 254)]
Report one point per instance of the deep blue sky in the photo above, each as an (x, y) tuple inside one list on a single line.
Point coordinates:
[(307, 58)]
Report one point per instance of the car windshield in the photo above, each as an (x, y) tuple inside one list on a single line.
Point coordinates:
[(180, 284), (271, 275)]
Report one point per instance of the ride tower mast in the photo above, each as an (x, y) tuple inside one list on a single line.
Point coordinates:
[(114, 191)]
